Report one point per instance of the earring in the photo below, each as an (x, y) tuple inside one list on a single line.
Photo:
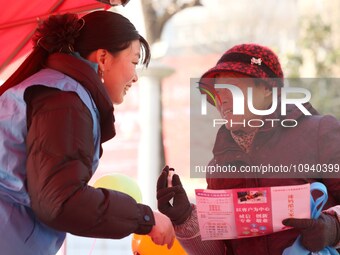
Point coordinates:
[(101, 75)]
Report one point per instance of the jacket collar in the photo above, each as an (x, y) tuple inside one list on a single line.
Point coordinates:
[(88, 78), (225, 142)]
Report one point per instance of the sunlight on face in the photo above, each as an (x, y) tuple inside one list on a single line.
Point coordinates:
[(120, 71), (261, 100)]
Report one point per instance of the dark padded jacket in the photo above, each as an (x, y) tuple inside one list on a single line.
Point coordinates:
[(314, 141), (60, 152)]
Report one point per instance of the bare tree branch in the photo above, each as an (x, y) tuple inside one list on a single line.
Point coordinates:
[(154, 22)]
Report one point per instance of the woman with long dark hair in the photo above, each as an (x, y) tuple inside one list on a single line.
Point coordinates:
[(56, 111)]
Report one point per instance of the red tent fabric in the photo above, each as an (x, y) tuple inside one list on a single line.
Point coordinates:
[(19, 19)]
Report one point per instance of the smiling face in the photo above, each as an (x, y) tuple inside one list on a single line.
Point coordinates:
[(261, 99), (119, 70)]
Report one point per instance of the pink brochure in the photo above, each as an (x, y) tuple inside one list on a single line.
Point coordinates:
[(248, 212)]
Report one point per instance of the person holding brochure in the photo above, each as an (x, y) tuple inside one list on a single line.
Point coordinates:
[(56, 110), (315, 139)]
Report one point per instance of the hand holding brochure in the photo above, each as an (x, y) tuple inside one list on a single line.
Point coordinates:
[(249, 212)]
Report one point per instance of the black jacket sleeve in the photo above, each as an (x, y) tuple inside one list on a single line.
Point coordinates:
[(60, 150)]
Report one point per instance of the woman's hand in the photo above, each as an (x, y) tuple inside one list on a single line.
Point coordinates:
[(318, 233), (163, 231), (180, 210)]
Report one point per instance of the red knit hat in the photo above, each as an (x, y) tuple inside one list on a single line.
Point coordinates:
[(250, 59)]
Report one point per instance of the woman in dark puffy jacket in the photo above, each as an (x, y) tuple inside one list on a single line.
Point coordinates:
[(55, 112), (311, 139)]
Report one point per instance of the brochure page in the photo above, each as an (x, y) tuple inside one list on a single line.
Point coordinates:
[(248, 212)]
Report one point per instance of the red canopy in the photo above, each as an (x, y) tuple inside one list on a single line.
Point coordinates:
[(19, 19)]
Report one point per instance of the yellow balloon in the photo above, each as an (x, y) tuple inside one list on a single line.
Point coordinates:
[(120, 182), (143, 245)]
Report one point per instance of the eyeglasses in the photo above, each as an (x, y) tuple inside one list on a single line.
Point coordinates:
[(114, 2)]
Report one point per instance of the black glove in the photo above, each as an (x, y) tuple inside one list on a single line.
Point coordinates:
[(181, 209), (316, 234)]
